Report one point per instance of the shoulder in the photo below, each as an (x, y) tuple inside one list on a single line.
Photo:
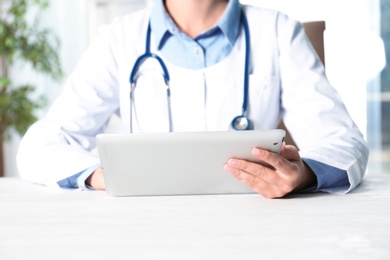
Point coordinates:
[(270, 21), (266, 16), (132, 23), (124, 32)]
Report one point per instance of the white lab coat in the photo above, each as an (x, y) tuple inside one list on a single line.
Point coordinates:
[(286, 80)]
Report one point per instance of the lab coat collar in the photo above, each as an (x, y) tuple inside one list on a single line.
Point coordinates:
[(163, 26)]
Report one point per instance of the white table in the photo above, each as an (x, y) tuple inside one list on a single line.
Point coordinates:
[(41, 223)]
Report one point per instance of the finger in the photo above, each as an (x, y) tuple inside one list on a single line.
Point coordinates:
[(254, 169), (277, 161), (291, 152), (282, 149), (256, 184)]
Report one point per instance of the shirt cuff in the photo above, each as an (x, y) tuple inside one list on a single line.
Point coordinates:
[(84, 176), (329, 179), (70, 182)]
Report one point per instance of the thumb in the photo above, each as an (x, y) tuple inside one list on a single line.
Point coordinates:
[(290, 152)]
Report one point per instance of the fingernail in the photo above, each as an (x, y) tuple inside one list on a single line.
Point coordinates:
[(230, 170), (257, 152), (227, 168), (233, 163)]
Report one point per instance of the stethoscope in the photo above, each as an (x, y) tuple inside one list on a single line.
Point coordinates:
[(238, 123)]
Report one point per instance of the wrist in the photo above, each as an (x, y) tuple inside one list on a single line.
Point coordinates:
[(96, 180), (309, 178)]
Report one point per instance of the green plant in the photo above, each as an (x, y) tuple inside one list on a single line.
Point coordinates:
[(22, 40)]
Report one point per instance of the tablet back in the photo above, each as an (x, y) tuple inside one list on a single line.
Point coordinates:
[(178, 163)]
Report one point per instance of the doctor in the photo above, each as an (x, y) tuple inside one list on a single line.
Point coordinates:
[(222, 60)]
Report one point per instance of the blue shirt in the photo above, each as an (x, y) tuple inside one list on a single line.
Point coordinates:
[(207, 49)]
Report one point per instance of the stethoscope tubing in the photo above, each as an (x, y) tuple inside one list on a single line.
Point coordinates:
[(244, 22), (148, 55), (240, 122)]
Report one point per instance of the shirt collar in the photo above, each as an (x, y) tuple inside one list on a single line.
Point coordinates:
[(160, 21), (163, 26), (230, 23)]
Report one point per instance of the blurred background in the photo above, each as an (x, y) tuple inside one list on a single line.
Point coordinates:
[(357, 42)]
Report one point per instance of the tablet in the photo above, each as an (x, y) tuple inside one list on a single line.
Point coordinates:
[(186, 163)]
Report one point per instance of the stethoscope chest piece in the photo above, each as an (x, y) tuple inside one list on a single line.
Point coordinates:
[(241, 123)]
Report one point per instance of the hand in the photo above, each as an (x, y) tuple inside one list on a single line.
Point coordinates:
[(96, 180), (287, 173)]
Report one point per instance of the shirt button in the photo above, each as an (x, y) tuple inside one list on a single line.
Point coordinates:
[(196, 51)]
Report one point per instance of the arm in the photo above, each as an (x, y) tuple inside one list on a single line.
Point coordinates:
[(315, 114), (61, 144), (327, 137)]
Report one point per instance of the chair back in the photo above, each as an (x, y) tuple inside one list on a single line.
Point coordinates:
[(315, 33)]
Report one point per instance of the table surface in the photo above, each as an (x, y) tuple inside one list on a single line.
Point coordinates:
[(37, 222)]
